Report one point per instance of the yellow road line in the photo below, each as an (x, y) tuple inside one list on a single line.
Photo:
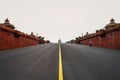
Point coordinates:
[(60, 64)]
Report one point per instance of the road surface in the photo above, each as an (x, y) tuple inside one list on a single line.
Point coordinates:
[(30, 63), (41, 62)]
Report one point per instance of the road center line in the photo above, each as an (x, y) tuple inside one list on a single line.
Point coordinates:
[(60, 64)]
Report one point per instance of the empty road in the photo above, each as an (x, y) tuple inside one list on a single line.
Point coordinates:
[(41, 62)]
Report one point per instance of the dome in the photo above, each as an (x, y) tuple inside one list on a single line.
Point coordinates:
[(8, 24), (111, 24)]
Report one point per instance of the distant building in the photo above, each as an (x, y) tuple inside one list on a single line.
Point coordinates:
[(59, 41)]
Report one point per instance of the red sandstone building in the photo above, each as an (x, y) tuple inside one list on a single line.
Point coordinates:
[(11, 38), (109, 37)]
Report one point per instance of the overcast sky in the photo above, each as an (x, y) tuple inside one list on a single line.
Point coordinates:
[(64, 19)]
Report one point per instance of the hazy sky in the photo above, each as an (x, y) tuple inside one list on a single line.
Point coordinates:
[(54, 19)]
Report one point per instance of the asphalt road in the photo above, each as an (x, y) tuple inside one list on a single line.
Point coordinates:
[(30, 63), (90, 63), (41, 63)]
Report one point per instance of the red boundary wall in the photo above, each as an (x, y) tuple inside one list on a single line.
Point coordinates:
[(10, 38), (105, 38)]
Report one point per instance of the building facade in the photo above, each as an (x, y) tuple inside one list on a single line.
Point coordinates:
[(11, 38), (109, 37)]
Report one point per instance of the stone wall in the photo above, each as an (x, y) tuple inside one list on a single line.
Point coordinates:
[(105, 38), (10, 38)]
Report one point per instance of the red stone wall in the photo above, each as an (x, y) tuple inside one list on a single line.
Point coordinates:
[(110, 40), (10, 39), (117, 40)]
